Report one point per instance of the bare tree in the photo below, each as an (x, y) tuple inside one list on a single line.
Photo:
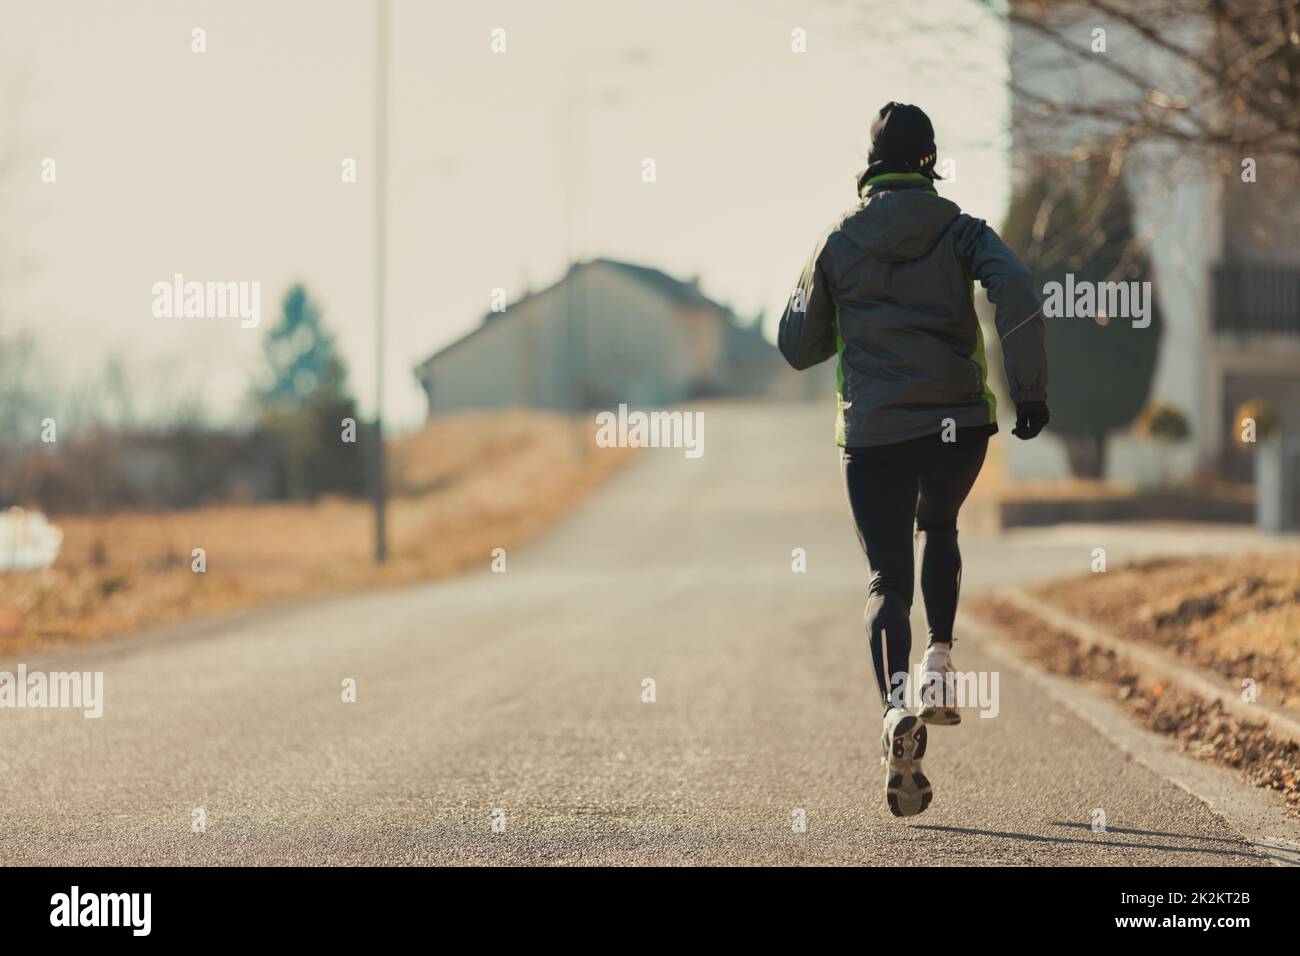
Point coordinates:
[(1191, 86), (1226, 81)]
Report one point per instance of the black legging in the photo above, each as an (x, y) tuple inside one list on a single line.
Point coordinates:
[(890, 486)]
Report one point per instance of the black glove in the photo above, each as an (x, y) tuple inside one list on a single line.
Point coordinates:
[(1031, 418)]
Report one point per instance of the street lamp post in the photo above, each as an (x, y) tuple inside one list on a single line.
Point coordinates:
[(381, 236)]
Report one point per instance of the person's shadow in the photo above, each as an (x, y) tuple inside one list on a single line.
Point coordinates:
[(1273, 851)]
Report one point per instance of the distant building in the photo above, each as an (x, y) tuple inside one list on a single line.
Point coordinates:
[(637, 335)]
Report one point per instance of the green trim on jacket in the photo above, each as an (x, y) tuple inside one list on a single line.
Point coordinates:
[(841, 431), (981, 359)]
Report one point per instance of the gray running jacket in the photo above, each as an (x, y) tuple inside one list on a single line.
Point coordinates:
[(889, 291)]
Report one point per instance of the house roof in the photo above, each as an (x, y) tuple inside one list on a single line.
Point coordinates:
[(675, 290), (683, 293)]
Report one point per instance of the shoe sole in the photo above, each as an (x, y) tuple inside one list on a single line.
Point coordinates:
[(907, 790), (941, 716)]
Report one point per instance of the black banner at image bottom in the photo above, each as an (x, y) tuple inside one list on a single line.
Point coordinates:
[(374, 904)]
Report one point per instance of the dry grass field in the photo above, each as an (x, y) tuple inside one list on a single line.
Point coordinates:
[(1238, 616), (462, 486)]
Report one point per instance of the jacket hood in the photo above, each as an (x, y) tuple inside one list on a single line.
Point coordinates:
[(900, 220)]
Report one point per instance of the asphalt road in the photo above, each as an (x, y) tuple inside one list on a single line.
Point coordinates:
[(517, 697)]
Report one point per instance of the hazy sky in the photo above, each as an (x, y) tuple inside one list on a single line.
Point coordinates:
[(226, 165)]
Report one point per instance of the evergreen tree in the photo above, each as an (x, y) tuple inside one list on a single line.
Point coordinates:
[(303, 401), (1101, 368)]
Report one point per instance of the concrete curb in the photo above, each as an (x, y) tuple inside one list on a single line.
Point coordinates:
[(1153, 664), (1250, 811)]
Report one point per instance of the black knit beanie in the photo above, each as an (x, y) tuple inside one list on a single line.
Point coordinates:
[(902, 141)]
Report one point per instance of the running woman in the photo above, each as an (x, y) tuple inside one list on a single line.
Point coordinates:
[(889, 292)]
